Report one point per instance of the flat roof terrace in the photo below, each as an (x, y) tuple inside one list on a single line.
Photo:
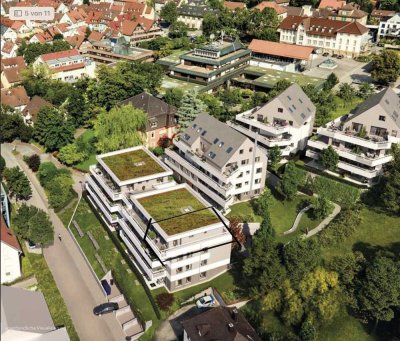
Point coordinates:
[(178, 211), (132, 163)]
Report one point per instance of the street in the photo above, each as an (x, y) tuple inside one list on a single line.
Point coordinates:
[(72, 275)]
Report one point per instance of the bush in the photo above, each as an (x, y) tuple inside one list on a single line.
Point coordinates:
[(33, 162), (342, 194), (308, 331), (158, 151), (165, 300), (47, 172)]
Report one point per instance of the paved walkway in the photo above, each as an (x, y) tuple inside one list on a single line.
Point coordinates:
[(26, 283), (297, 220), (71, 274), (324, 222)]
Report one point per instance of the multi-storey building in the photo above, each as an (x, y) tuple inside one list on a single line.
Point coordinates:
[(363, 138), (332, 36), (285, 121), (218, 162), (213, 64), (68, 66), (191, 12), (389, 27), (176, 238)]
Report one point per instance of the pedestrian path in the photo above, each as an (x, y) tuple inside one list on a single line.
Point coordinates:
[(297, 220), (324, 222)]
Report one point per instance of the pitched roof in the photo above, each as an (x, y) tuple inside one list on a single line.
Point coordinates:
[(13, 74), (269, 4), (61, 54), (7, 236), (382, 13), (280, 49), (210, 129), (34, 106), (15, 97), (44, 37), (75, 40), (95, 36), (335, 4), (234, 5), (387, 100), (8, 46), (322, 26), (220, 323), (12, 62)]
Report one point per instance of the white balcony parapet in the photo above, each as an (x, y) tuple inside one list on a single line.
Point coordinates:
[(247, 117), (116, 195), (112, 207), (101, 205)]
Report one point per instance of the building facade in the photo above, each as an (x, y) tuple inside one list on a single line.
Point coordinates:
[(217, 161), (10, 254), (176, 238), (332, 36), (286, 121), (363, 138), (389, 27)]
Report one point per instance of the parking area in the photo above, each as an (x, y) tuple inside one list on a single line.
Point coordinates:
[(347, 70)]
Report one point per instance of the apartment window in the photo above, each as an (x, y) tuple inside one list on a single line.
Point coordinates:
[(153, 124), (179, 270), (188, 279), (382, 118), (238, 186), (203, 262), (280, 109), (203, 274), (247, 172), (175, 242), (246, 183), (257, 181), (8, 273), (291, 123), (241, 151), (257, 159), (250, 149), (258, 170), (240, 175), (260, 118), (257, 191), (245, 162), (152, 135), (178, 282), (188, 267)]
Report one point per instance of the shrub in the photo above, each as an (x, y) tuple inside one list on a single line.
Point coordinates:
[(165, 300), (158, 151), (47, 172), (33, 162), (308, 331), (342, 194)]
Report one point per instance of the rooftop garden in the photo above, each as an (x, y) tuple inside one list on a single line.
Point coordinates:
[(179, 208), (132, 165)]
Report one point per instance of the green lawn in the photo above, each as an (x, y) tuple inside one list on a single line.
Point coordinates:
[(112, 259), (343, 108), (36, 264), (172, 204), (84, 165), (283, 215)]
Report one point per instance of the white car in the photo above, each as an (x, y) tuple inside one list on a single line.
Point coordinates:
[(205, 302)]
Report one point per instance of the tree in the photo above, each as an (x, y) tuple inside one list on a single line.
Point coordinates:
[(71, 155), (190, 107), (86, 2), (266, 226), (365, 90), (386, 67), (237, 230), (12, 126), (300, 257), (52, 129), (47, 172), (307, 331), (41, 230), (58, 36), (120, 128), (178, 30), (17, 183), (173, 96), (346, 92), (291, 180), (214, 105), (379, 293), (391, 5), (329, 158), (165, 300), (262, 203), (322, 207), (169, 13), (33, 162), (211, 24), (34, 50), (2, 166), (274, 157), (331, 81), (21, 220)]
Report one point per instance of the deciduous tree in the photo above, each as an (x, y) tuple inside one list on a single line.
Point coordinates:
[(71, 155), (329, 158), (274, 157), (237, 230), (292, 179), (17, 183), (169, 12), (41, 230), (33, 162), (173, 96), (386, 67)]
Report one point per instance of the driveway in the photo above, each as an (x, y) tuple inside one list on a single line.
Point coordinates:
[(72, 275)]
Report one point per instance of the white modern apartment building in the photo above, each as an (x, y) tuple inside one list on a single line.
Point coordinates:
[(218, 162), (285, 121), (363, 138), (332, 36), (390, 28), (67, 66), (175, 237)]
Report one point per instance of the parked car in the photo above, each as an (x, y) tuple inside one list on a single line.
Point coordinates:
[(334, 55), (105, 308), (205, 301), (32, 245), (325, 54), (340, 56)]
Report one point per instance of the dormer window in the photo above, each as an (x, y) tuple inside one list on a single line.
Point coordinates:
[(382, 118)]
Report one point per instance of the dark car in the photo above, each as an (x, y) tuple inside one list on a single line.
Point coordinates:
[(340, 56), (105, 308), (325, 54), (334, 55)]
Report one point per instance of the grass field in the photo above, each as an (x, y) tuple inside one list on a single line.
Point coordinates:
[(84, 165), (343, 108)]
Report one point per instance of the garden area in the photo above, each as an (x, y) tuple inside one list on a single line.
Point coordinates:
[(87, 139), (343, 107)]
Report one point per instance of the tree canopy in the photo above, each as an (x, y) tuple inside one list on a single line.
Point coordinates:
[(329, 158), (386, 66), (17, 183), (190, 107)]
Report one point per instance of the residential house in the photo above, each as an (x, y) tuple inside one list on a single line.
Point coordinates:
[(285, 121), (140, 29), (280, 56), (161, 118), (21, 29), (175, 237), (230, 5), (9, 34), (217, 161), (332, 36), (349, 12), (362, 138), (281, 11), (331, 4), (389, 27), (11, 69), (68, 66), (191, 13), (25, 316), (32, 109), (41, 37), (212, 65), (8, 49), (5, 205), (16, 98), (218, 323), (380, 14), (10, 254)]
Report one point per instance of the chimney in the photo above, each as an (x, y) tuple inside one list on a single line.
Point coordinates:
[(231, 327)]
